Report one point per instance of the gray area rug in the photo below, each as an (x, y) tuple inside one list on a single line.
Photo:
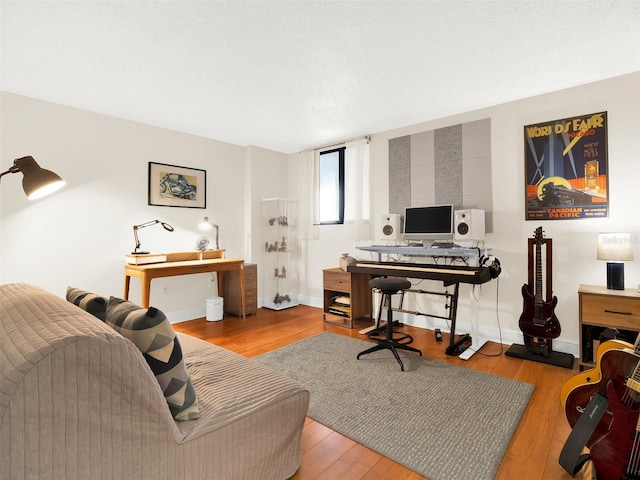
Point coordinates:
[(442, 421)]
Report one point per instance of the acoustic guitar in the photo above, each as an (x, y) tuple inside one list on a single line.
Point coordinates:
[(616, 367), (615, 454), (538, 318), (593, 375)]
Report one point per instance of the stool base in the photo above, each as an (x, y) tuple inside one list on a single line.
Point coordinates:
[(394, 344), (393, 341)]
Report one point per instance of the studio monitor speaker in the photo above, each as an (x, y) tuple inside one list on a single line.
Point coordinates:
[(468, 224), (390, 227)]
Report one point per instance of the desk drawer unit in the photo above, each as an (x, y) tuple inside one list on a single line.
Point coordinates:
[(601, 308), (611, 311), (232, 295), (355, 287), (337, 280)]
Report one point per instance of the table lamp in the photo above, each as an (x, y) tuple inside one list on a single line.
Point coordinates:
[(166, 226), (615, 248), (37, 182), (206, 225)]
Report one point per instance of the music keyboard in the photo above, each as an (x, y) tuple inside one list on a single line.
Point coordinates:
[(471, 255), (448, 274)]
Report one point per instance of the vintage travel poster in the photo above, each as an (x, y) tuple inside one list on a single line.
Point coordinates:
[(566, 168)]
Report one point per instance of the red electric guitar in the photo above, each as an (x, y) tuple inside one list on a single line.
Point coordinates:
[(538, 319)]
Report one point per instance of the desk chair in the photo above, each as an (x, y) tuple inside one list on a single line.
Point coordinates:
[(389, 286)]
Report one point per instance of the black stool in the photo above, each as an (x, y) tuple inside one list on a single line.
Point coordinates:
[(390, 286)]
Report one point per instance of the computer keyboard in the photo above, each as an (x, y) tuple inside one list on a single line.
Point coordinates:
[(444, 245)]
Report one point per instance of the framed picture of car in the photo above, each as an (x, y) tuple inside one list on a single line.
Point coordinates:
[(175, 186)]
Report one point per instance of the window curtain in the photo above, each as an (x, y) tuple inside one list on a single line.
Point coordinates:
[(358, 192), (307, 184), (358, 195)]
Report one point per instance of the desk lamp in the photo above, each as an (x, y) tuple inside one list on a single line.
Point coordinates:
[(166, 226), (207, 225), (37, 182), (615, 248)]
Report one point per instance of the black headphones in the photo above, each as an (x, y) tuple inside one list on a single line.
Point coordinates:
[(493, 264)]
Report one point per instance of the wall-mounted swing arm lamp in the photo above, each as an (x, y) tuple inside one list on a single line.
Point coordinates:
[(37, 182), (205, 224), (166, 226)]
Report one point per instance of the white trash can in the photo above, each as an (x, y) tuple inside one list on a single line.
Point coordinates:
[(215, 309)]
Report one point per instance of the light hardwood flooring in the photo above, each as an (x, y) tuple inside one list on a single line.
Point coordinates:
[(327, 455)]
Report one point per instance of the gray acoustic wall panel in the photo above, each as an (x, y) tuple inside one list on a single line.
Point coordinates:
[(446, 165), (476, 159), (399, 174), (423, 188)]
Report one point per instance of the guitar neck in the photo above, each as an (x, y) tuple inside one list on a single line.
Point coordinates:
[(633, 382), (538, 286)]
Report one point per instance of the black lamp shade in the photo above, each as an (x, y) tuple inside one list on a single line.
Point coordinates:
[(37, 182)]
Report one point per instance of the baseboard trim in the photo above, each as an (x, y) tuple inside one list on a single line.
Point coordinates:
[(186, 315), (493, 334)]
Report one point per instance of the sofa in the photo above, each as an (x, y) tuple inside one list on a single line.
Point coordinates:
[(78, 400)]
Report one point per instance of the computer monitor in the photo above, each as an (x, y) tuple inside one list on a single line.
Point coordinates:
[(428, 223)]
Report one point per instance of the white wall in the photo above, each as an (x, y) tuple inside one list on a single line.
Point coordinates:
[(79, 235), (267, 178), (574, 241)]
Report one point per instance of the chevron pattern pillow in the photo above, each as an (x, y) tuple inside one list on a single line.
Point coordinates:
[(150, 330), (89, 302)]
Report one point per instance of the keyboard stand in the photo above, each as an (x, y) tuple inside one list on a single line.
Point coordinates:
[(458, 344), (477, 342), (464, 345), (456, 347)]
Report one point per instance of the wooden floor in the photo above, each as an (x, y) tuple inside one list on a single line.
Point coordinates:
[(533, 452)]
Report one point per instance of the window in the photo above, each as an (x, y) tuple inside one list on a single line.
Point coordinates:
[(331, 188)]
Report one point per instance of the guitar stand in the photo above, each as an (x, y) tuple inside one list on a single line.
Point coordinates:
[(559, 359), (542, 347), (539, 349), (541, 353)]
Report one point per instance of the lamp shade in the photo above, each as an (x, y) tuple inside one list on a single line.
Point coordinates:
[(206, 225), (615, 247), (37, 182)]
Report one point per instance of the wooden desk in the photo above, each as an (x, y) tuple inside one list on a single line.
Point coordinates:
[(177, 265)]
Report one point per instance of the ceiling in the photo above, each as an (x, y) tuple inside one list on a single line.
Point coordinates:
[(292, 75)]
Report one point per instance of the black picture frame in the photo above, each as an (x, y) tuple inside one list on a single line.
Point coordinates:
[(177, 186)]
